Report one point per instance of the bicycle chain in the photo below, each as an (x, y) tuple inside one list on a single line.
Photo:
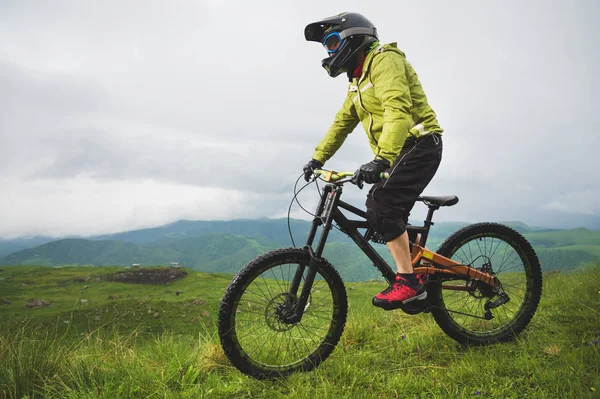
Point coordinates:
[(456, 311)]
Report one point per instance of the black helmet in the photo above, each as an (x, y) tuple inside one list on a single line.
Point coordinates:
[(344, 36)]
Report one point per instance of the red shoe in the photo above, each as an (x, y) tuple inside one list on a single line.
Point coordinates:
[(399, 293)]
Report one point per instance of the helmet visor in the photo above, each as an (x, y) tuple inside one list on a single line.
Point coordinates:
[(332, 42)]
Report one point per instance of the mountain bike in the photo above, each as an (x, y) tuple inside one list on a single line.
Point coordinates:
[(285, 311)]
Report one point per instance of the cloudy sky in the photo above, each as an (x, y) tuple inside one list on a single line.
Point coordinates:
[(117, 115)]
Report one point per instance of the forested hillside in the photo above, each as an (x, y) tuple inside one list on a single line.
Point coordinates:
[(213, 247)]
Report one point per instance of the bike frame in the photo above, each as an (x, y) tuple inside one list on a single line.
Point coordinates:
[(424, 261)]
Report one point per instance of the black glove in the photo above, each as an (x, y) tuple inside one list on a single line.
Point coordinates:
[(371, 172), (309, 167)]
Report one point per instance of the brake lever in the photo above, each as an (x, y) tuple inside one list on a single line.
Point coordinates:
[(359, 182)]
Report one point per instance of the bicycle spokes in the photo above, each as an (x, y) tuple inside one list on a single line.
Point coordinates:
[(479, 307), (265, 325)]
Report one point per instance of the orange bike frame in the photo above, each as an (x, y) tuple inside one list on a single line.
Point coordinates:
[(427, 262)]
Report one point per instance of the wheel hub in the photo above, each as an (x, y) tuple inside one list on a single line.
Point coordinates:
[(479, 289), (279, 312)]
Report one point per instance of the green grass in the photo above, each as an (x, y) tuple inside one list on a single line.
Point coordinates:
[(62, 351), (118, 305)]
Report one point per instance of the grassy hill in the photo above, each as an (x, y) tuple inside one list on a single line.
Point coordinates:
[(225, 252), (565, 238), (275, 230), (9, 246), (145, 341), (566, 249), (194, 252)]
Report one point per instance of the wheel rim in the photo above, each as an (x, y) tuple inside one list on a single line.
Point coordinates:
[(506, 260), (263, 332)]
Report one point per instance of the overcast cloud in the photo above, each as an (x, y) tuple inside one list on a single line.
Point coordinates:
[(117, 115)]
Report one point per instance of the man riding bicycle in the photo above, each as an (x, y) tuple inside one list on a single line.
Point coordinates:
[(385, 95)]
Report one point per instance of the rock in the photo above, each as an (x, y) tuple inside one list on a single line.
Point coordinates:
[(83, 301), (198, 302), (23, 285), (178, 292), (4, 301), (85, 287), (36, 303), (156, 315), (205, 313), (97, 279), (148, 276)]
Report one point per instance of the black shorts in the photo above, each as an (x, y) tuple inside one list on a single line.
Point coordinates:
[(390, 201)]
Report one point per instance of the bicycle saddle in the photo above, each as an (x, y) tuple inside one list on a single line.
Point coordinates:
[(448, 200)]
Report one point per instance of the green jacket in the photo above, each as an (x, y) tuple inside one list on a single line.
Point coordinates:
[(389, 101)]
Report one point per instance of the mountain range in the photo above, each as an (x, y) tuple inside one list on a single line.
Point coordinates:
[(225, 246)]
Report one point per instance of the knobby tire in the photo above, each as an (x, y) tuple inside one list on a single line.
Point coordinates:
[(249, 280), (463, 244)]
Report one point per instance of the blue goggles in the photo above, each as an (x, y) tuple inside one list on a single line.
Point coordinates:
[(332, 42)]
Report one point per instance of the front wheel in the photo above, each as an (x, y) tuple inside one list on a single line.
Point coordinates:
[(470, 311), (256, 332)]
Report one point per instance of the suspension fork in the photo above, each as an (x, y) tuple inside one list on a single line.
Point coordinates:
[(311, 236), (329, 201)]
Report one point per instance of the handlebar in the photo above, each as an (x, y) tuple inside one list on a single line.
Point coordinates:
[(331, 176)]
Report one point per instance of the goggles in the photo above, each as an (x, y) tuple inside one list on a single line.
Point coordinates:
[(333, 42)]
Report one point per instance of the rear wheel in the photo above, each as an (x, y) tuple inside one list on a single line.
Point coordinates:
[(478, 314), (254, 325)]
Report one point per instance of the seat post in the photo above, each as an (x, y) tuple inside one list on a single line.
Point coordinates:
[(428, 221)]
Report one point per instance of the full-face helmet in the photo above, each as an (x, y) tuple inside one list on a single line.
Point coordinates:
[(344, 36)]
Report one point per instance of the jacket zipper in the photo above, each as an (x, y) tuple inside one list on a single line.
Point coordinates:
[(364, 109)]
